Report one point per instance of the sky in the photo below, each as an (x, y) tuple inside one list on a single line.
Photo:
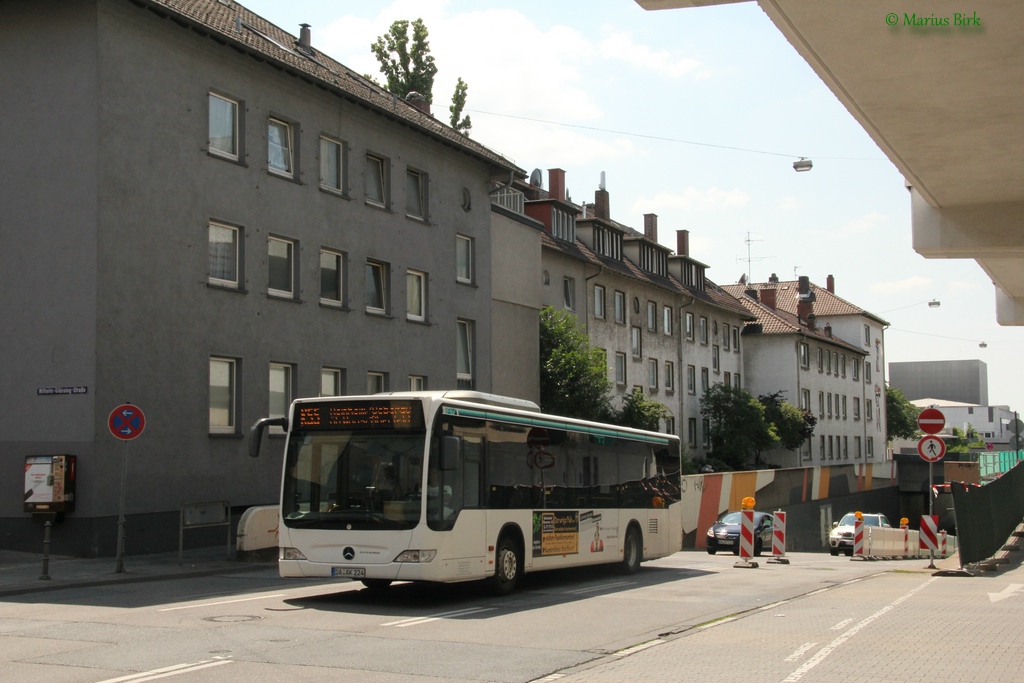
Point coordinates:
[(696, 115)]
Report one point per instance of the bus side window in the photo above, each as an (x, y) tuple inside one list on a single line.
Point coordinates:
[(472, 470)]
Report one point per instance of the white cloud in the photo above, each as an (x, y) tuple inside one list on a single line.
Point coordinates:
[(692, 199), (620, 46), (910, 284)]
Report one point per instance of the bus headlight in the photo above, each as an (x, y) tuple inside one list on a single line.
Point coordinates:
[(291, 554), (420, 556)]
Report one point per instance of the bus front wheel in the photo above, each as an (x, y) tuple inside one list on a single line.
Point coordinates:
[(506, 566), (632, 552)]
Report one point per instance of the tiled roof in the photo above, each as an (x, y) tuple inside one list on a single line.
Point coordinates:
[(228, 22), (825, 302), (778, 321)]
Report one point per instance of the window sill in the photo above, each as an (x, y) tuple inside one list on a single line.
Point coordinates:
[(465, 283), (226, 288), (282, 297), (418, 219), (374, 204), (379, 314), (290, 177), (335, 192), (237, 161), (413, 321), (334, 305)]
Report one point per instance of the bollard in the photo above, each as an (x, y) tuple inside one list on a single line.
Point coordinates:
[(858, 540), (746, 535), (46, 551), (779, 539), (942, 543), (906, 541)]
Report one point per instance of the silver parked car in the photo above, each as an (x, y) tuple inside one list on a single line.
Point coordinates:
[(841, 537)]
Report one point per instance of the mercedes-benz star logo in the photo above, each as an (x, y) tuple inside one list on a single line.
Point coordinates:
[(349, 553)]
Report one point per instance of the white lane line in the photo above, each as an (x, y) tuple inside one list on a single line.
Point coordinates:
[(603, 586), (820, 590), (800, 652), (774, 604), (637, 648), (415, 621), (824, 652), (222, 602), (841, 624), (720, 621), (168, 671)]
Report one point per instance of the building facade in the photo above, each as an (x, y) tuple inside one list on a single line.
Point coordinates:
[(962, 381)]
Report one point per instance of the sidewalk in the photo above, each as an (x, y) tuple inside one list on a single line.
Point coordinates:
[(20, 572)]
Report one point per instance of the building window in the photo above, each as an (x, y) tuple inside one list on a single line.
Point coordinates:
[(736, 380), (223, 256), (376, 178), (868, 406), (620, 368), (691, 379), (842, 365), (463, 259), (281, 147), (280, 395), (867, 371), (725, 336), (856, 447), (563, 224), (332, 166), (822, 448), (821, 360), (805, 356), (223, 127), (689, 326), (464, 351), (846, 448), (652, 373), (703, 330), (716, 361), (834, 366), (867, 336), (705, 426), (856, 369), (376, 288), (821, 404), (691, 432), (835, 398), (331, 383), (670, 425), (598, 301), (670, 376), (828, 404), (856, 408), (831, 455), (222, 395), (416, 194), (376, 382), (828, 363), (620, 307), (417, 383), (332, 290), (666, 320), (705, 384), (805, 400), (735, 340), (869, 443), (569, 293), (727, 379), (635, 342), (281, 267), (844, 406), (652, 316), (415, 295)]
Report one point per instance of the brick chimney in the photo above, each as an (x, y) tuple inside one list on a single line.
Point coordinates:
[(830, 284), (601, 208), (768, 298), (418, 101), (682, 242), (651, 226), (805, 302), (774, 278), (556, 183)]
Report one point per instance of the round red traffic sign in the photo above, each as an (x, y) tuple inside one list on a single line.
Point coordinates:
[(931, 448), (126, 422), (931, 421)]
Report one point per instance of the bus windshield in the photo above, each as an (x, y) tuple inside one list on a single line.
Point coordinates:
[(353, 479)]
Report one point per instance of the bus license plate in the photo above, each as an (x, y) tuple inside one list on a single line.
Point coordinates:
[(348, 572)]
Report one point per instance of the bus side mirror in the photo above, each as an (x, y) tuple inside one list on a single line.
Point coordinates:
[(256, 433), (450, 447)]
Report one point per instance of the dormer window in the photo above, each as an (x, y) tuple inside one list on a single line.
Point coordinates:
[(653, 260), (607, 243), (563, 224)]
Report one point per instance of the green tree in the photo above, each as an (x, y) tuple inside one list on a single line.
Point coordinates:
[(573, 376), (792, 425), (739, 429), (963, 441), (641, 412), (458, 121), (406, 67), (900, 415)]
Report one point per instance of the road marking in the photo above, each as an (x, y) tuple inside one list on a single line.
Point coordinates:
[(720, 621), (168, 671), (637, 648), (222, 602), (602, 587), (800, 652), (841, 624), (1008, 592), (416, 621), (824, 652), (774, 604)]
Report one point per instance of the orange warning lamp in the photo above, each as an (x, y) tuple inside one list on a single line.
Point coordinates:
[(859, 515), (747, 503), (904, 521)]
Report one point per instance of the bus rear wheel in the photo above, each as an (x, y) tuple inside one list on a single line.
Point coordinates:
[(632, 552), (506, 566)]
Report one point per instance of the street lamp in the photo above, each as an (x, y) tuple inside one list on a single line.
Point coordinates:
[(802, 164)]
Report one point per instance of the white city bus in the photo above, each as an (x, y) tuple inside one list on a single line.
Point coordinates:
[(460, 486)]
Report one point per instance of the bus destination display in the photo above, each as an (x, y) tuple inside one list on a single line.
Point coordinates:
[(360, 415)]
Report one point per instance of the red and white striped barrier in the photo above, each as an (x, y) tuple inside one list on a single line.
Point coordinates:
[(779, 539), (928, 538), (858, 539), (942, 543), (747, 535)]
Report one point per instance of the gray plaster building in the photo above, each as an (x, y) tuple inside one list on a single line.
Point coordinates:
[(208, 217), (963, 381)]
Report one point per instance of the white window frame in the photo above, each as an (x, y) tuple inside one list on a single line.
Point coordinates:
[(856, 369), (856, 407), (805, 356), (725, 336), (416, 202), (652, 316), (280, 378), (339, 276), (705, 381), (691, 432), (620, 307), (703, 330), (666, 320), (417, 383), (235, 152), (332, 149), (652, 373), (735, 339), (416, 282), (373, 187), (377, 273), (376, 382), (464, 361), (636, 341), (331, 381), (805, 400), (599, 302), (691, 379), (464, 259), (229, 424), (716, 358), (736, 383), (234, 283), (292, 249), (670, 376), (620, 367), (284, 164), (689, 327), (569, 293)]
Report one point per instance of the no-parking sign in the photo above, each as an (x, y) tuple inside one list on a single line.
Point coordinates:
[(126, 422)]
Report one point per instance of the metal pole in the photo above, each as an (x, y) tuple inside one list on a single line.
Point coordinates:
[(120, 513), (931, 505), (46, 551)]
